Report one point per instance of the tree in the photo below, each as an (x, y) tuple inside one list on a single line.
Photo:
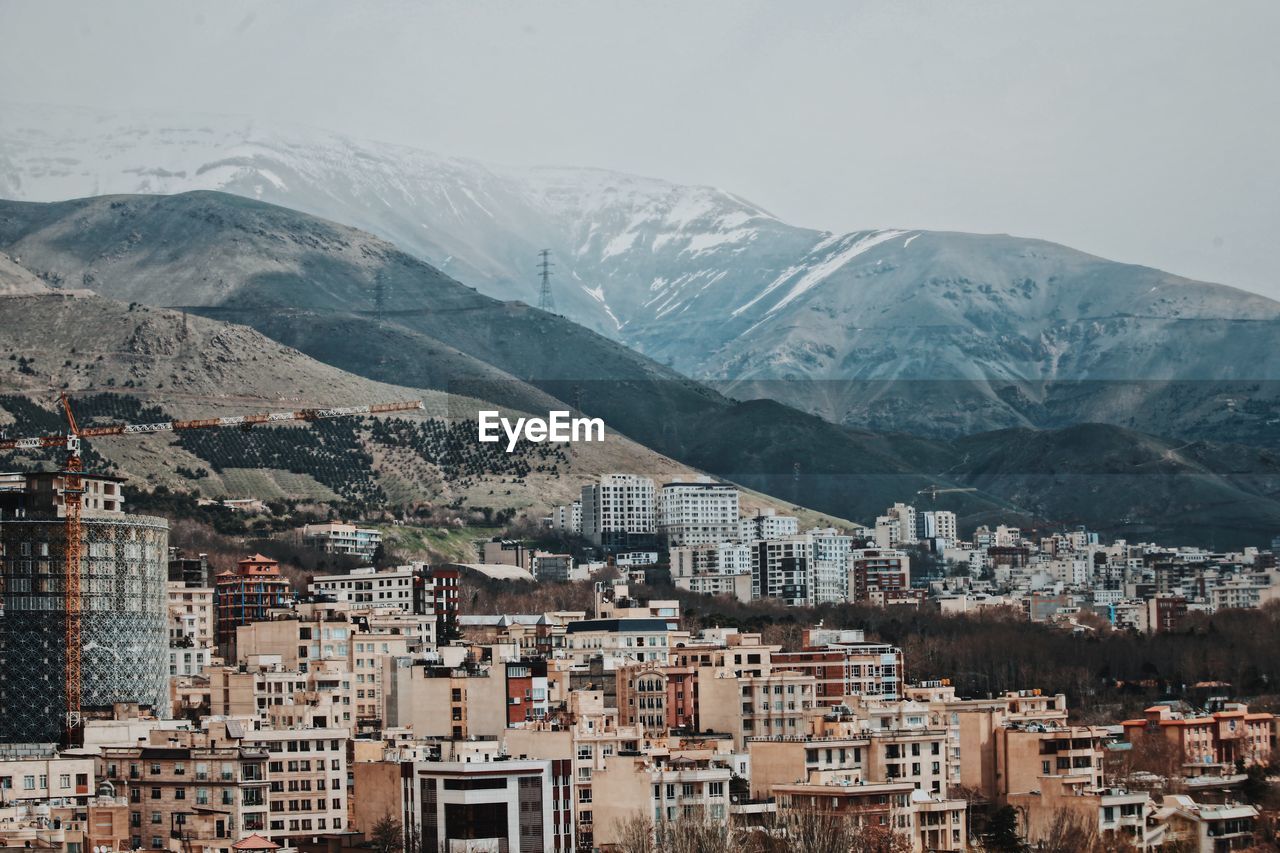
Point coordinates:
[(807, 831), (1002, 832), (387, 835), (1069, 833)]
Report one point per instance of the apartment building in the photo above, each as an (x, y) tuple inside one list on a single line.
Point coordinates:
[(702, 512), (662, 788), (519, 805), (878, 573), (925, 821), (192, 636), (437, 701), (246, 595), (336, 537), (781, 569), (367, 587), (803, 569), (1122, 820), (836, 756), (638, 639), (896, 527), (767, 524), (1026, 753), (178, 774), (774, 703), (31, 774), (274, 695), (937, 526), (1209, 743), (843, 664), (1207, 826), (721, 559), (619, 512), (595, 738), (306, 774), (567, 517)]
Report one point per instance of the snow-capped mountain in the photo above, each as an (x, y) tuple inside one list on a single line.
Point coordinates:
[(703, 280), (626, 249)]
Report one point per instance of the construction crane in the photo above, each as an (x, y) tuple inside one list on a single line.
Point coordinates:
[(73, 489), (934, 491)]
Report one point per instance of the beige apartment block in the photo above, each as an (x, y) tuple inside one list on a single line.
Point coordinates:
[(440, 701), (177, 774), (306, 781), (662, 790), (772, 704)]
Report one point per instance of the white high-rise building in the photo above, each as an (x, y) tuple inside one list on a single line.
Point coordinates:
[(804, 569), (767, 524), (619, 511), (726, 558), (720, 569), (698, 513), (830, 566), (896, 527), (568, 517), (937, 524)]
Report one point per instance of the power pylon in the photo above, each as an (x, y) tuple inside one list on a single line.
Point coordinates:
[(545, 300)]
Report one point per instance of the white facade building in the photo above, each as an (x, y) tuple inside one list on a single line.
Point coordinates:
[(767, 525), (619, 510), (938, 525), (369, 587), (334, 537), (698, 513)]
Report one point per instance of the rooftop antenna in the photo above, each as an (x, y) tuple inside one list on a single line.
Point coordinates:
[(545, 301)]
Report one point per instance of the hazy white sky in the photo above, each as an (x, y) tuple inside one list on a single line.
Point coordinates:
[(1142, 131)]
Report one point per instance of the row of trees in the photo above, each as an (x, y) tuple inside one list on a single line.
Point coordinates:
[(782, 832), (1102, 672)]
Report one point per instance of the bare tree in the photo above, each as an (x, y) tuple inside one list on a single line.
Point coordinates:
[(635, 835), (387, 835), (805, 831), (686, 834)]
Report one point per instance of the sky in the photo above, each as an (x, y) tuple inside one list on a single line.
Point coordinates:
[(1144, 131)]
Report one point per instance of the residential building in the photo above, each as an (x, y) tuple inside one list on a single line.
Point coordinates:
[(658, 788), (720, 569), (702, 512), (336, 537), (124, 619), (767, 524), (369, 587), (178, 774), (619, 512), (247, 595)]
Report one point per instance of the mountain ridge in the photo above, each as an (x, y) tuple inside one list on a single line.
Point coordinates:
[(237, 258), (718, 288)]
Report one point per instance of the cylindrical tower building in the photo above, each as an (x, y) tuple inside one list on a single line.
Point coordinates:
[(124, 605)]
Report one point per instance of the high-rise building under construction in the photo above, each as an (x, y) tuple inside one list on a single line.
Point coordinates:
[(123, 570)]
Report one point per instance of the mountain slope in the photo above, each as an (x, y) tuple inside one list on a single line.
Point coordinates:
[(1024, 332), (312, 285), (134, 362)]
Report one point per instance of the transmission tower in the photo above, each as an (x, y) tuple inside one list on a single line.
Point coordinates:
[(379, 294), (545, 301)]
